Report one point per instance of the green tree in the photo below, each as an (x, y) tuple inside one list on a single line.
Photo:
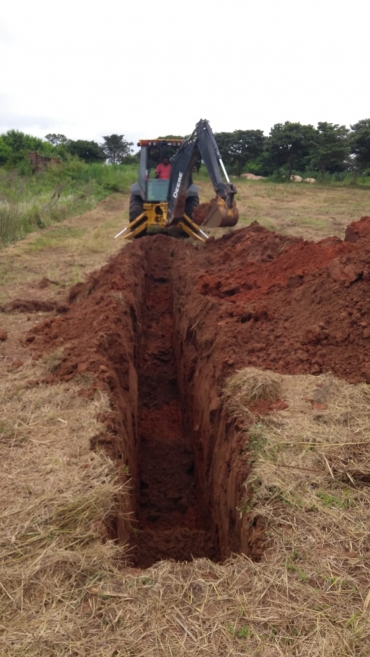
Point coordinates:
[(5, 152), (290, 144), (239, 147), (116, 148), (331, 147), (360, 143), (17, 144), (89, 151), (131, 159), (20, 142), (56, 139), (172, 137), (224, 142)]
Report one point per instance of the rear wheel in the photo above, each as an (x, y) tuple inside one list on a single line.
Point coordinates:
[(191, 203), (136, 209)]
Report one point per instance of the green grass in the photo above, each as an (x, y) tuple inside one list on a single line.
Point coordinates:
[(316, 223), (32, 203), (29, 203), (55, 238)]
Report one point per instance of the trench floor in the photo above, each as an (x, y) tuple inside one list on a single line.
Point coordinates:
[(169, 506)]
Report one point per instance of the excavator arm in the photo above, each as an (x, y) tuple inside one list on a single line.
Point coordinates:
[(221, 211)]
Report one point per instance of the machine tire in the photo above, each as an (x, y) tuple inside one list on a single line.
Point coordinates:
[(135, 210), (191, 203), (136, 207)]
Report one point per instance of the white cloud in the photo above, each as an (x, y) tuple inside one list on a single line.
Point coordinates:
[(152, 67)]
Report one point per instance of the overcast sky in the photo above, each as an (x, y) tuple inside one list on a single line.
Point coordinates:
[(88, 68)]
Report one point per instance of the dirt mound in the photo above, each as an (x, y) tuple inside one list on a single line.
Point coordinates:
[(164, 324), (292, 306), (358, 229), (252, 176), (46, 282), (29, 306)]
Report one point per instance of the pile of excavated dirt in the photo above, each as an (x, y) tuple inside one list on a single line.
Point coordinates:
[(163, 325), (293, 306)]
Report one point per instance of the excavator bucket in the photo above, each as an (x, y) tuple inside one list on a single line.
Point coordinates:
[(216, 214)]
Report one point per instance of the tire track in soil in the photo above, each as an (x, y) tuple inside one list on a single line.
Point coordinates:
[(168, 525)]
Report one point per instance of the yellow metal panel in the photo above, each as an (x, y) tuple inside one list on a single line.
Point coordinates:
[(192, 230), (136, 231), (157, 213)]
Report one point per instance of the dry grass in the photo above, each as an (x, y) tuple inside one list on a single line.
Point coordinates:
[(63, 593), (309, 211), (65, 253), (53, 360), (56, 498), (310, 482), (250, 386)]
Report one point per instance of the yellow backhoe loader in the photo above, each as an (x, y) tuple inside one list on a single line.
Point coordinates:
[(171, 205)]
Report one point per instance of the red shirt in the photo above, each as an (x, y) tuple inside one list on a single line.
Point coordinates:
[(163, 171)]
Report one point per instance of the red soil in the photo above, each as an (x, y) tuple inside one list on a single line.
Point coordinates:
[(162, 326), (293, 306), (169, 523), (200, 213)]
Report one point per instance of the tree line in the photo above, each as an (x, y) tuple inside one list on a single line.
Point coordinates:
[(15, 145), (297, 148), (289, 148)]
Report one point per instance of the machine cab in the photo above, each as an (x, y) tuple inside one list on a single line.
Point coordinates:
[(152, 152)]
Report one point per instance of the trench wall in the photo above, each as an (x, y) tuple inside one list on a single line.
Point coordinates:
[(252, 298), (218, 442), (219, 469)]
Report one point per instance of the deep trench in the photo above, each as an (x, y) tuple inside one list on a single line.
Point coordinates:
[(170, 520)]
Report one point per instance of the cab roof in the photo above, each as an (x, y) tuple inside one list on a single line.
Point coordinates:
[(163, 142)]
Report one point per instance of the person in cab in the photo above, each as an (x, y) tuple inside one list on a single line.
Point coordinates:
[(163, 170)]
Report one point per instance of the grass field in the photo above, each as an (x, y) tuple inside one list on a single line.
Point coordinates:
[(310, 211), (33, 203), (63, 591), (29, 204)]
